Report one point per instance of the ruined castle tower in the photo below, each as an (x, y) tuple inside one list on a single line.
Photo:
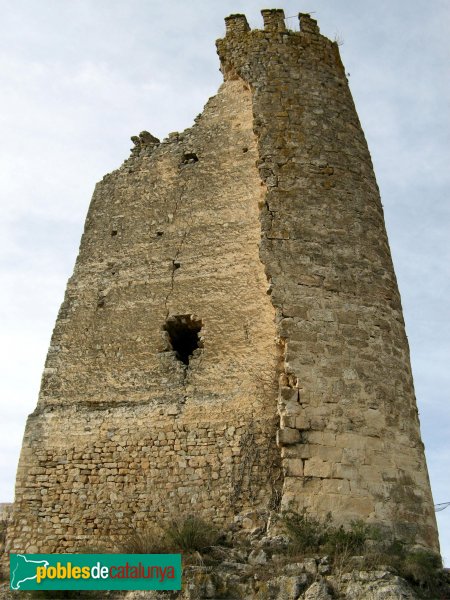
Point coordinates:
[(232, 337)]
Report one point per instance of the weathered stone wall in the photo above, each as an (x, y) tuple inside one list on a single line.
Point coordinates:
[(274, 183), (124, 433), (5, 510), (349, 425)]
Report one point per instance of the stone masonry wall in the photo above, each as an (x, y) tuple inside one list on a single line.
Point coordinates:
[(263, 224), (124, 433), (349, 428)]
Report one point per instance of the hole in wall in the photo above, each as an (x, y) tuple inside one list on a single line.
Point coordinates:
[(176, 265), (184, 336), (189, 158), (159, 233), (113, 232), (244, 150)]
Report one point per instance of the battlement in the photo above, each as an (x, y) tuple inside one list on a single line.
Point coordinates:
[(274, 22), (242, 44), (236, 24), (273, 19), (308, 25)]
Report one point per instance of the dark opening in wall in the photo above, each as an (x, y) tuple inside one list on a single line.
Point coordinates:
[(189, 158), (184, 337)]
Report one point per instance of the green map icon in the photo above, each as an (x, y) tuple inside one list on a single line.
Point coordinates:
[(24, 569)]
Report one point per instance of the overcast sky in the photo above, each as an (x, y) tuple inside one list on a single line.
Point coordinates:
[(79, 77)]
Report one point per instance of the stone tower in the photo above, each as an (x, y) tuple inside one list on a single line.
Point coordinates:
[(232, 337)]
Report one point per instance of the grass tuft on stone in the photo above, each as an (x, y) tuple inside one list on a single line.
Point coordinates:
[(192, 534), (187, 534)]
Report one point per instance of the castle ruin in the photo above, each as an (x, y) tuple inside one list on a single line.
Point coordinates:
[(232, 336)]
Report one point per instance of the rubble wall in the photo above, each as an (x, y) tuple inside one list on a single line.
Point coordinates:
[(124, 433)]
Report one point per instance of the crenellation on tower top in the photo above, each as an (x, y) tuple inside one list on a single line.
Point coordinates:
[(236, 24), (273, 19), (307, 24)]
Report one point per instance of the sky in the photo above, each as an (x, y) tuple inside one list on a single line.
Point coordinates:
[(79, 77)]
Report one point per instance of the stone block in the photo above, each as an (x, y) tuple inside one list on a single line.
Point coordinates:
[(336, 486), (351, 441), (302, 421), (288, 436), (316, 467), (327, 453), (293, 467), (288, 421)]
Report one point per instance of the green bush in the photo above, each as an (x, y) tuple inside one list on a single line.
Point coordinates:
[(351, 541), (422, 568), (147, 541), (310, 535), (186, 534), (306, 534), (191, 534)]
